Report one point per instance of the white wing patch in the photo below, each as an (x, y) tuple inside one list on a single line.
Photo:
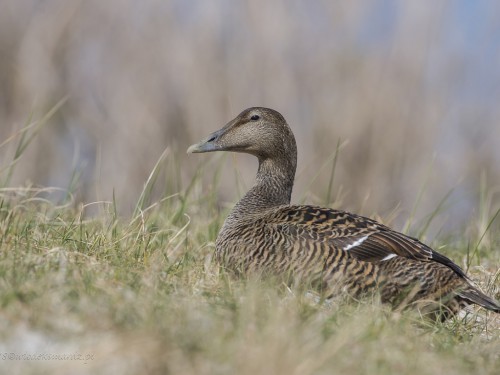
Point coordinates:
[(355, 243), (390, 256)]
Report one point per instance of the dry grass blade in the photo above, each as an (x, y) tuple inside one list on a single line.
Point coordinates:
[(148, 186), (26, 135)]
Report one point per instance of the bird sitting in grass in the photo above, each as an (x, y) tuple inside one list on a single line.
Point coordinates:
[(329, 250)]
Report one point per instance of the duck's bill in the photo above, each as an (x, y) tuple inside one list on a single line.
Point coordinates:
[(207, 145), (198, 147)]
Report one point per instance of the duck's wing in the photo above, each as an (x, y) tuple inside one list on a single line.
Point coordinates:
[(360, 237)]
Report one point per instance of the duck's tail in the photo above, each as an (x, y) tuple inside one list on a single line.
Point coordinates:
[(474, 295)]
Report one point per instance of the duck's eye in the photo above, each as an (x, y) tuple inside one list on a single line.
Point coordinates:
[(255, 117)]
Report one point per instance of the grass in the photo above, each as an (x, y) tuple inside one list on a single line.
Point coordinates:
[(140, 294)]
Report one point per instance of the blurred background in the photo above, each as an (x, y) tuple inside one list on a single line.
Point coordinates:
[(410, 89)]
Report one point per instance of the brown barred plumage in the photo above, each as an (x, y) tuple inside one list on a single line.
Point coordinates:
[(330, 250)]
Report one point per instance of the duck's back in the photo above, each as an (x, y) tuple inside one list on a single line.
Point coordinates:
[(315, 235)]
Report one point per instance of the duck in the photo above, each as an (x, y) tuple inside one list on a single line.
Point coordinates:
[(329, 251)]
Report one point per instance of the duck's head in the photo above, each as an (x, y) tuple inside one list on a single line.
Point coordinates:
[(262, 132)]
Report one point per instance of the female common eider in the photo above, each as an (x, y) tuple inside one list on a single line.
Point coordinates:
[(330, 250)]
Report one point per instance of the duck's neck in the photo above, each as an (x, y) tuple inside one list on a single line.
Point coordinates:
[(273, 187)]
